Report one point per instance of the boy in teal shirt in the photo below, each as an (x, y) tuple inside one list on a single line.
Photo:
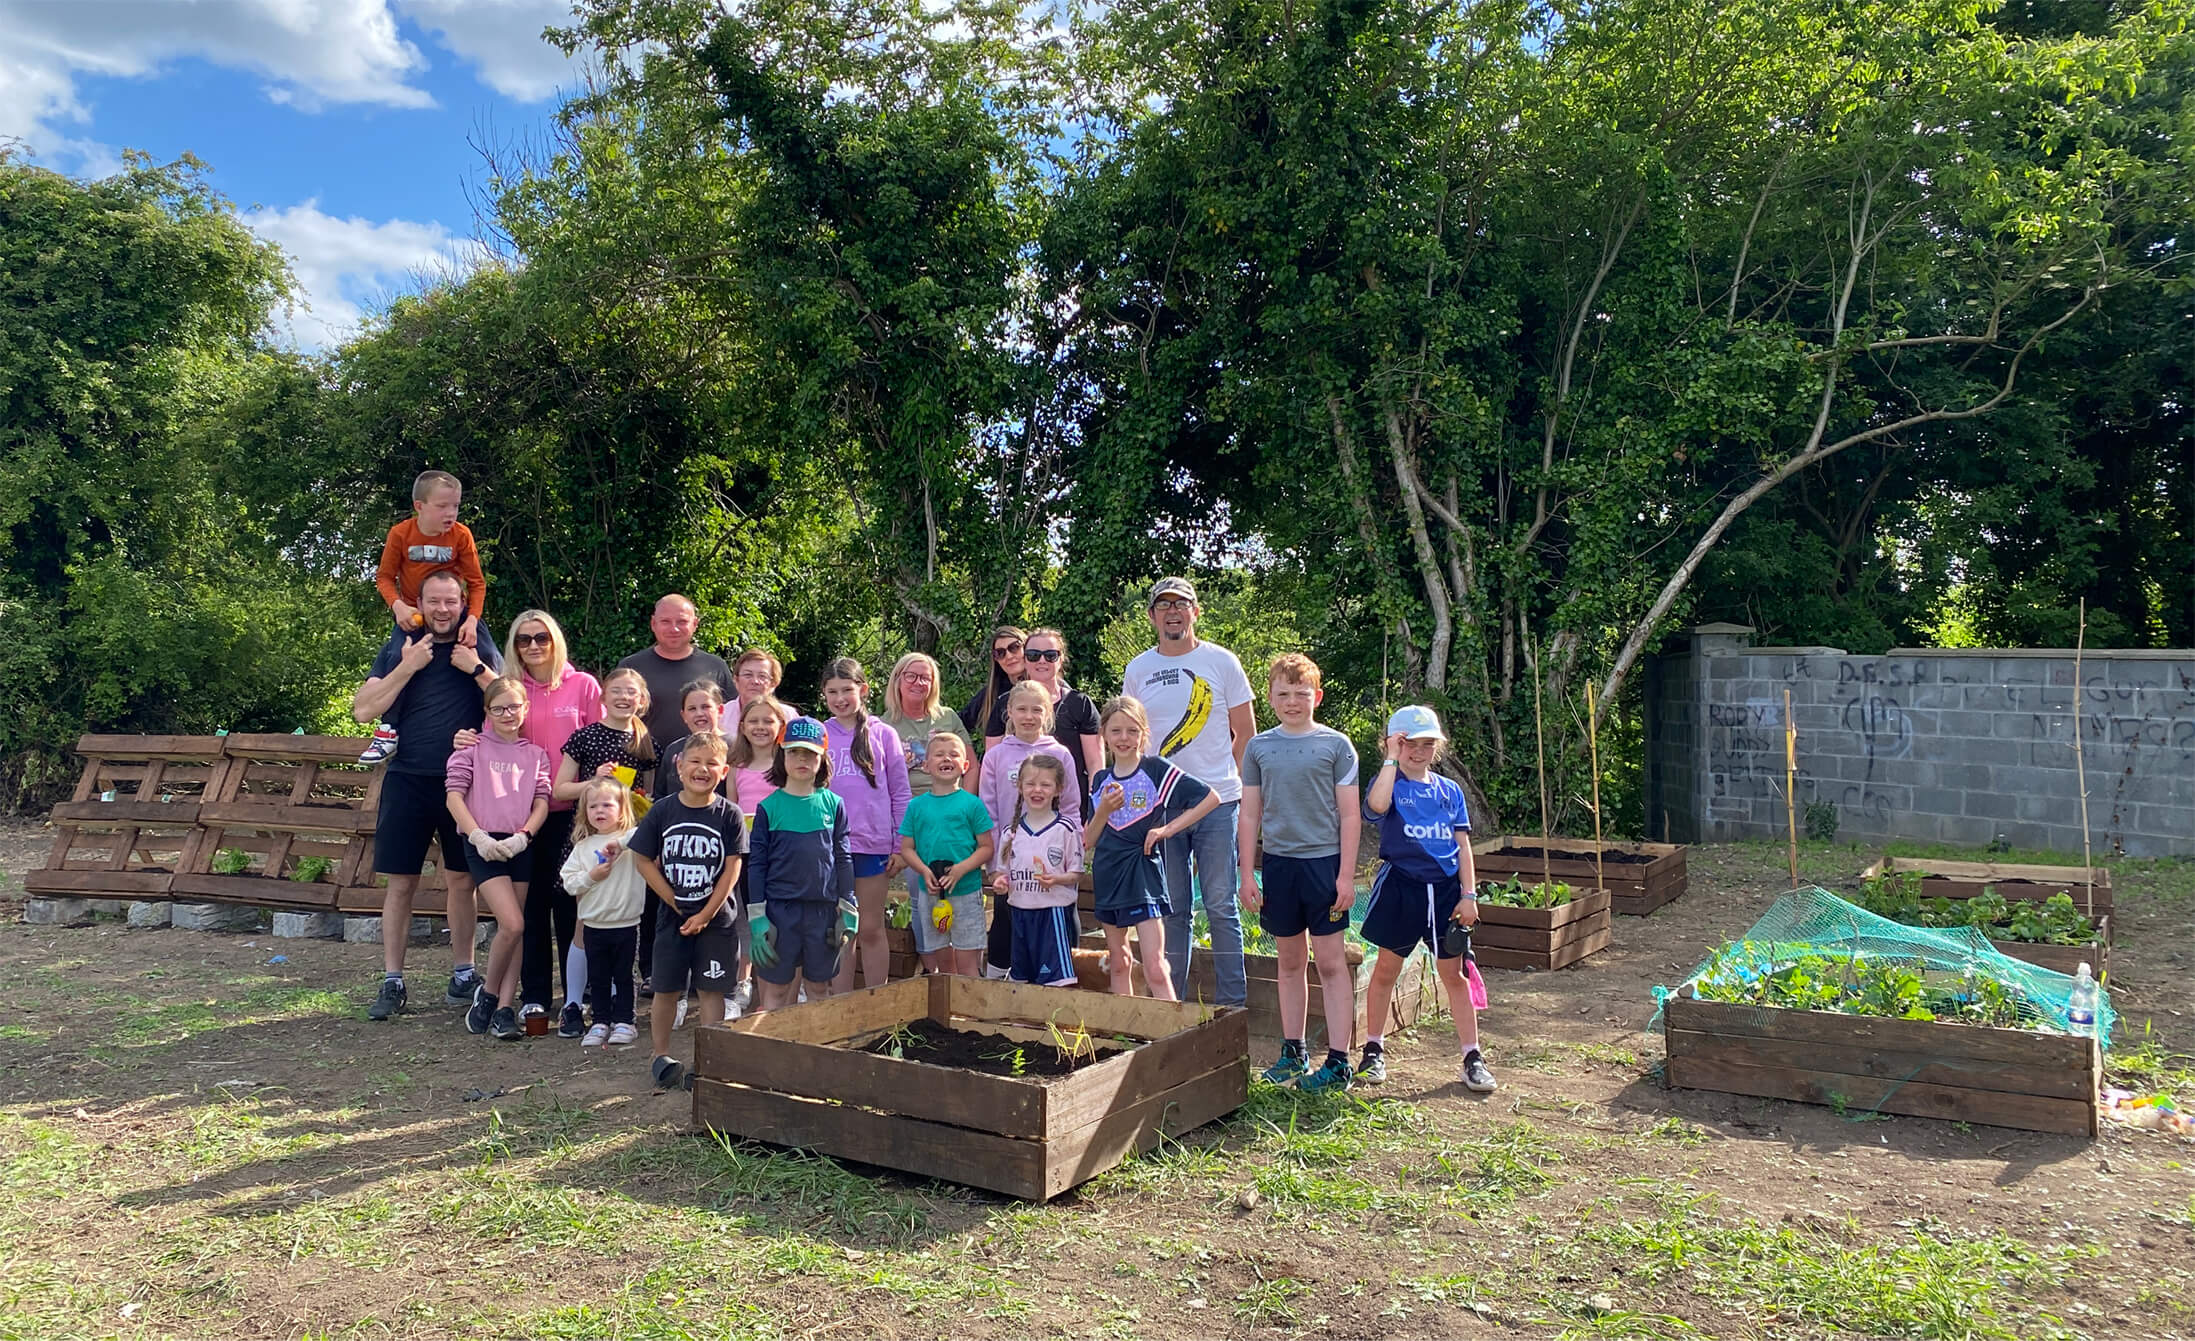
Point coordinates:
[(947, 832)]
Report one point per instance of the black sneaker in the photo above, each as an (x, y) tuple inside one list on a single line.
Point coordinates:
[(571, 1024), (388, 1001), (1373, 1069), (482, 1010), (461, 989), (1476, 1078), (669, 1073), (504, 1024)]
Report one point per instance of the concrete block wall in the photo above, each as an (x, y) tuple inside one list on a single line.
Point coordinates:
[(1957, 746)]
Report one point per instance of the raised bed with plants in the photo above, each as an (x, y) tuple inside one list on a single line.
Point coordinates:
[(1880, 1034), (1538, 925), (2049, 930), (1027, 1091), (2089, 886), (1639, 877), (1417, 990)]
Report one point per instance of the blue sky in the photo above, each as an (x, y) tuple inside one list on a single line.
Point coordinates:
[(349, 131)]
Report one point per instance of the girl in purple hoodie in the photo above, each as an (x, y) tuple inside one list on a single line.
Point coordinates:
[(869, 774), (1028, 732)]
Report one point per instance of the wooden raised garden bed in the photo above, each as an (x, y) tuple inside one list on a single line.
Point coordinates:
[(1639, 877), (1416, 991), (2011, 880), (810, 1076), (1542, 938), (2017, 1078)]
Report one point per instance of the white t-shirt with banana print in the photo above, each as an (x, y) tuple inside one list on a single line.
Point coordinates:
[(1188, 697)]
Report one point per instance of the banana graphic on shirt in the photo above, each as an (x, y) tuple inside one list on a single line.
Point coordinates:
[(1193, 718)]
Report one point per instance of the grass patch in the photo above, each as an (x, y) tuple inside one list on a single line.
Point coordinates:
[(2148, 1067), (154, 1022), (1271, 1302)]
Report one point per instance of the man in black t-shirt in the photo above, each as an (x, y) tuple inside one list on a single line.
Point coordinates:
[(672, 664), (428, 688)]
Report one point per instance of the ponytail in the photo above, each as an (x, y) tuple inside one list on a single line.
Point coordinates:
[(864, 750), (642, 747)]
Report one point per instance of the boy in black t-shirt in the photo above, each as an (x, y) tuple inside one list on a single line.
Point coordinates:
[(689, 849)]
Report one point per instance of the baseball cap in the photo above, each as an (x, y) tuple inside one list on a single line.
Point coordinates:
[(1415, 722), (1170, 586), (804, 733)]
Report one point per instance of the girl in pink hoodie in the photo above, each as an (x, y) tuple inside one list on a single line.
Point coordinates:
[(1028, 733)]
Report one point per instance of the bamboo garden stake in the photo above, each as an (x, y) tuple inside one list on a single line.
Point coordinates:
[(2080, 772), (1791, 785), (1539, 739), (1593, 755)]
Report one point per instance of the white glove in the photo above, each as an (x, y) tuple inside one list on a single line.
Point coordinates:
[(484, 843), (514, 845)]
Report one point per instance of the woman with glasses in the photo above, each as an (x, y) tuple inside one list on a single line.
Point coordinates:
[(1074, 716), (560, 699), (985, 714)]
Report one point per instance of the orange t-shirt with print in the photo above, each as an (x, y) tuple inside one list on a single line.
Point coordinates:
[(410, 556)]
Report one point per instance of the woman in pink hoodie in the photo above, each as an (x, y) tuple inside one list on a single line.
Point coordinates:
[(869, 774), (1028, 732)]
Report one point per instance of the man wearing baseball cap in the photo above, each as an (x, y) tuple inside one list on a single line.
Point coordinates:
[(1202, 719)]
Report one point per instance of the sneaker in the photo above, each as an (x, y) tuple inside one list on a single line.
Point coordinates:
[(531, 1009), (1373, 1069), (1333, 1074), (463, 986), (1290, 1065), (481, 1012), (645, 987), (596, 1037), (505, 1024), (1476, 1078), (570, 1024), (993, 971), (622, 1035), (732, 1009), (744, 994), (381, 746), (669, 1073), (678, 1021), (388, 1001)]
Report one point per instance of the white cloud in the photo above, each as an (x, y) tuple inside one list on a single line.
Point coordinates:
[(346, 266), (501, 40)]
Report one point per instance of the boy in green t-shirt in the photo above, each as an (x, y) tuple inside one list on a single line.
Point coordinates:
[(947, 832)]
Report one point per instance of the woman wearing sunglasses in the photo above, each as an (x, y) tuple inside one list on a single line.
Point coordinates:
[(1074, 716), (985, 715), (560, 698)]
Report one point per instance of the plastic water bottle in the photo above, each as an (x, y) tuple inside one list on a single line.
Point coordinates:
[(2080, 1004)]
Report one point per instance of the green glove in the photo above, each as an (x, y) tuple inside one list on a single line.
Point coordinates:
[(849, 921), (761, 936)]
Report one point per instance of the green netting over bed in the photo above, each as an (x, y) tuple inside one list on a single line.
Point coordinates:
[(1814, 951)]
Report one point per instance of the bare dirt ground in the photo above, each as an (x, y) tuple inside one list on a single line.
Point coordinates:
[(200, 1135)]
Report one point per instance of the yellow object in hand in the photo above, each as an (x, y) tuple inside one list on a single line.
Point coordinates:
[(941, 915), (623, 774)]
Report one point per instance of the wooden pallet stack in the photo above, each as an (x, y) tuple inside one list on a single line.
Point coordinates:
[(133, 823)]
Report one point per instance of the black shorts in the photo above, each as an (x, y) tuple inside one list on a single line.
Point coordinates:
[(803, 928), (516, 870), (1299, 896), (414, 812), (709, 960), (1401, 913)]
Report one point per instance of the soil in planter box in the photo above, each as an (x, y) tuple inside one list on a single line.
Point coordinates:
[(1610, 858), (992, 1054)]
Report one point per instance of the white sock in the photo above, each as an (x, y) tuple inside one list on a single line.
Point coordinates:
[(575, 973)]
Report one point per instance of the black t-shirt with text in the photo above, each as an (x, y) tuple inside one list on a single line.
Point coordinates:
[(691, 844)]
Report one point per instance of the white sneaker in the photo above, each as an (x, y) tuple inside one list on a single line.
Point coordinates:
[(678, 1021), (732, 1009), (622, 1034), (744, 994), (596, 1037), (993, 971), (381, 746)]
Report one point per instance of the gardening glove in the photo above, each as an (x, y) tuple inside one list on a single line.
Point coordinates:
[(761, 936), (845, 925), (514, 844), (484, 843)]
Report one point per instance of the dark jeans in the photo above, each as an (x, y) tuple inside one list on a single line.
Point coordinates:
[(610, 973), (552, 916), (1000, 955)]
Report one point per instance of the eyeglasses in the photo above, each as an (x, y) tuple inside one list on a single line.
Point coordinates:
[(1004, 650), (507, 709), (1048, 654), (1169, 605), (529, 640)]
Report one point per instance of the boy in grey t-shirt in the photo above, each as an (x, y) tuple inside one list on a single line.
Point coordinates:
[(1299, 800)]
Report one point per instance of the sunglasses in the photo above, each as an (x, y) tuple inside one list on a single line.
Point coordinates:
[(530, 640), (1048, 654), (1004, 650)]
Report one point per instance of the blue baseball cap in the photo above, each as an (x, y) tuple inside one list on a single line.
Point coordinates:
[(1415, 722), (805, 733)]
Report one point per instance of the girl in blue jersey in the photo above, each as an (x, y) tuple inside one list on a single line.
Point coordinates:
[(1425, 884), (1141, 801)]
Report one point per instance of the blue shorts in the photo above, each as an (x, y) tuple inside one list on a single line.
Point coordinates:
[(867, 864), (803, 929), (1044, 942), (1135, 914), (1299, 896), (1402, 913)]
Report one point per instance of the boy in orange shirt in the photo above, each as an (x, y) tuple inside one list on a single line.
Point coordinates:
[(430, 541)]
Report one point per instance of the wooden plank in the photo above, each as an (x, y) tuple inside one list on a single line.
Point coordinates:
[(273, 814), (2066, 959), (1002, 1105), (1968, 1041), (100, 883), (1100, 1012), (265, 745), (1966, 879), (834, 1019), (1865, 1094), (1883, 1064), (1556, 957), (1074, 1102), (930, 1149), (1642, 905), (255, 891), (368, 900), (152, 747), (150, 813), (1076, 1158)]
